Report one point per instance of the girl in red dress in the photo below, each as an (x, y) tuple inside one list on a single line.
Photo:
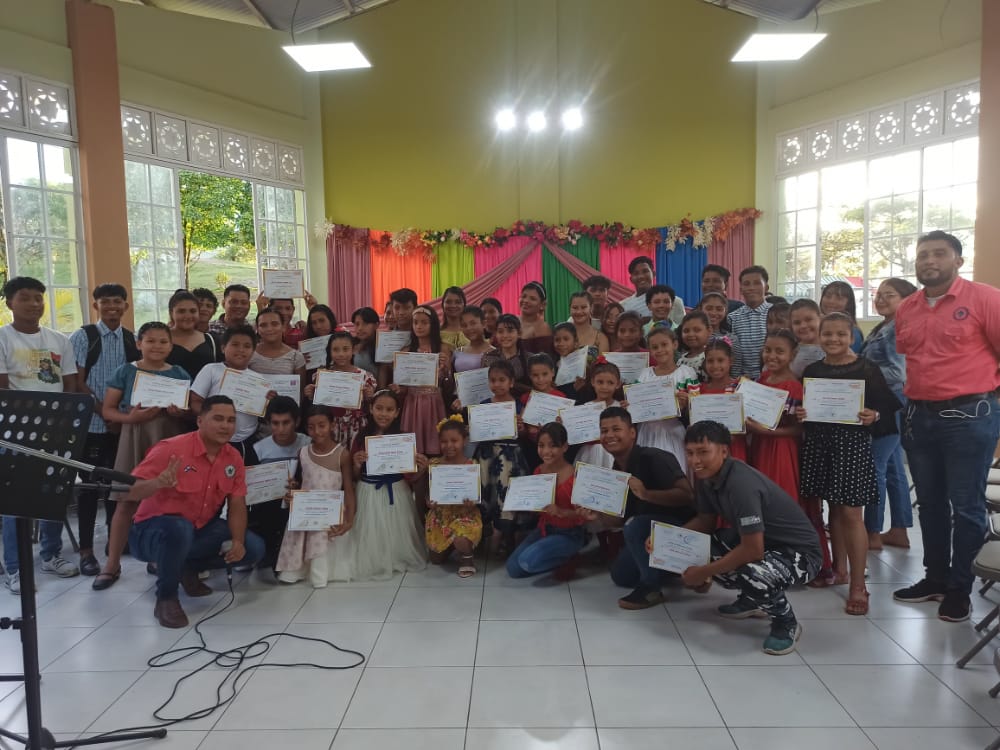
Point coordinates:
[(717, 364)]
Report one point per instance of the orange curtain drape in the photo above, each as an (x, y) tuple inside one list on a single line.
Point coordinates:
[(391, 271)]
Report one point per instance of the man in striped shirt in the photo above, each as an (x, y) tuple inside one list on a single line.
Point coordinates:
[(749, 323)]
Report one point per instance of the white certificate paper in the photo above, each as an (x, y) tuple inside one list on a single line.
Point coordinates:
[(247, 389), (453, 485), (415, 369), (316, 510), (387, 343), (530, 493), (158, 390), (543, 408), (314, 351), (335, 388), (473, 386), (762, 403), (724, 408), (572, 366), (833, 400), (652, 401), (630, 364), (391, 454), (676, 549), (283, 284), (600, 489), (268, 481), (582, 423), (493, 421), (286, 385)]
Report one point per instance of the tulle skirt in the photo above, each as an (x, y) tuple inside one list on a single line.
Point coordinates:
[(667, 435), (385, 534), (594, 453), (312, 555)]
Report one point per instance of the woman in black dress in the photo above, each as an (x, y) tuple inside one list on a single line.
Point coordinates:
[(192, 349)]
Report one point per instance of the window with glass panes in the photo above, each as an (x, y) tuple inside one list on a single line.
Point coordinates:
[(281, 228)]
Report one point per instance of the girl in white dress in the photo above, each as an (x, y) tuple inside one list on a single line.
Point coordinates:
[(606, 380), (321, 556), (666, 434)]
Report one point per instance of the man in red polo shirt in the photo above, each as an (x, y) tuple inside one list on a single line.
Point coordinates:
[(950, 334), (183, 482)]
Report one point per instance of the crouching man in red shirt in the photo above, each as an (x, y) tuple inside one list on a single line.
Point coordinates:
[(183, 482)]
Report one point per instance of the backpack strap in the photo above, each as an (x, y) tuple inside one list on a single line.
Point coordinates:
[(93, 348), (132, 353)]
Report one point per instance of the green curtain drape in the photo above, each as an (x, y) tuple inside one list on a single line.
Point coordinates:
[(560, 283), (454, 267)]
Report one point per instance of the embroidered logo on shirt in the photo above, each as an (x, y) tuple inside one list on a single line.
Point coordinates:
[(961, 313), (230, 471), (189, 468), (749, 520)]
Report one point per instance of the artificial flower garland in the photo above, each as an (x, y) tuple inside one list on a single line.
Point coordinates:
[(412, 241)]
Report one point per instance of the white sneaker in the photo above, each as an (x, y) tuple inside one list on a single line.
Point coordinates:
[(60, 567), (13, 582)]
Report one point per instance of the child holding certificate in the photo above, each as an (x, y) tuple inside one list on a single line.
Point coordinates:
[(560, 533), (347, 423), (386, 540), (694, 332), (542, 373), (321, 556), (453, 527), (500, 460), (507, 340), (366, 322), (606, 381), (565, 341), (272, 355), (718, 365), (666, 434), (628, 333), (837, 461), (423, 406)]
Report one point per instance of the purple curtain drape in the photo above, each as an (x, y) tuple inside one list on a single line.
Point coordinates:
[(349, 265), (735, 253), (481, 288)]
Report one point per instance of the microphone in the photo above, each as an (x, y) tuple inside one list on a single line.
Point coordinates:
[(110, 475), (223, 551)]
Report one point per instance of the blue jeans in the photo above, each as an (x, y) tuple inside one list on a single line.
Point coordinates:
[(176, 546), (890, 474), (950, 452), (540, 554), (49, 542), (631, 568)]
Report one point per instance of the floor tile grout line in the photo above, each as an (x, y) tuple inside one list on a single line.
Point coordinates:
[(583, 661), (475, 651)]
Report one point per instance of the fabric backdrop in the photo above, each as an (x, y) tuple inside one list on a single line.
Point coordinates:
[(349, 269), (509, 292), (486, 285), (680, 268), (391, 271), (455, 266), (734, 253), (560, 282), (614, 264)]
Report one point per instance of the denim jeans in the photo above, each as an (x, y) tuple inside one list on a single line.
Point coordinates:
[(950, 452), (631, 568), (176, 546), (890, 474), (49, 542), (540, 554)]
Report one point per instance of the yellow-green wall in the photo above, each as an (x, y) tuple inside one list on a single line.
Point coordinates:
[(669, 120)]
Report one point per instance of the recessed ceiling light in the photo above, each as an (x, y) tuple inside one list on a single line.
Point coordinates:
[(572, 119), (319, 57), (769, 47), (506, 119), (536, 121)]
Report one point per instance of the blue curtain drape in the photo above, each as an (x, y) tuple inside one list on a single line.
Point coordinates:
[(681, 267)]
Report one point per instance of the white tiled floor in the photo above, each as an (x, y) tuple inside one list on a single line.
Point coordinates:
[(496, 664)]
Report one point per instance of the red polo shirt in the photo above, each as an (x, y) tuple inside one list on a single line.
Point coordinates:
[(952, 348), (293, 335), (202, 485)]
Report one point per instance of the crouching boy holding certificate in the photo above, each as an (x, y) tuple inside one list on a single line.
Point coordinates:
[(771, 545)]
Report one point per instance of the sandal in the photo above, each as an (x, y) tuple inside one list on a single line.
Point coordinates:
[(857, 606), (106, 580), (466, 569), (822, 580)]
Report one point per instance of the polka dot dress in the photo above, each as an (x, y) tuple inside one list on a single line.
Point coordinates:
[(837, 465)]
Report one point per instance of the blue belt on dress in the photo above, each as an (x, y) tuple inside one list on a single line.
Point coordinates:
[(385, 480)]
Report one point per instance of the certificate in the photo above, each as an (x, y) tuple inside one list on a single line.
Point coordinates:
[(543, 408), (762, 403), (652, 401), (572, 366), (453, 485), (267, 482), (582, 423), (600, 489), (630, 364), (282, 284), (286, 385), (530, 493), (314, 351), (676, 549), (833, 400), (391, 454), (724, 408), (387, 343), (316, 510), (157, 390), (335, 388), (473, 386), (415, 369), (493, 421), (247, 389)]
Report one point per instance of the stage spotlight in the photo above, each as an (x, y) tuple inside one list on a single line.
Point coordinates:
[(506, 119), (536, 121), (572, 119)]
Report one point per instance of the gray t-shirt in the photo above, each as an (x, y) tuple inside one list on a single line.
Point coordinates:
[(750, 502), (805, 355)]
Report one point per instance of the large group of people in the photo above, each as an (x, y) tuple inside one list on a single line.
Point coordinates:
[(759, 493)]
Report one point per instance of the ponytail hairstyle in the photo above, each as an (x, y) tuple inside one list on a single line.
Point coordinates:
[(556, 432), (720, 344), (502, 365), (784, 333), (454, 422), (661, 328), (602, 365), (153, 325)]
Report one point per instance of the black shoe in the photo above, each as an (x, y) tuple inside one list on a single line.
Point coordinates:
[(642, 598), (922, 591), (89, 565), (151, 568), (955, 607)]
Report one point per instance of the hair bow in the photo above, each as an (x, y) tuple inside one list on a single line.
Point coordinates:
[(452, 418)]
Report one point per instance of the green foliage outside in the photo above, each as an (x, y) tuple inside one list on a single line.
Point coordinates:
[(217, 218)]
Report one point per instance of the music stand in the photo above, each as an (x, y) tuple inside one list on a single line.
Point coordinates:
[(41, 437)]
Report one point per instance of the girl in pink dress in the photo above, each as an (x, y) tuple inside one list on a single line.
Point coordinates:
[(423, 406)]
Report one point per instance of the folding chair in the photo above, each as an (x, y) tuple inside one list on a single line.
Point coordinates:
[(987, 567)]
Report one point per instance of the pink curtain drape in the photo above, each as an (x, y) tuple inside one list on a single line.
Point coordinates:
[(614, 264), (735, 253), (509, 290), (349, 270), (487, 282), (581, 271)]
